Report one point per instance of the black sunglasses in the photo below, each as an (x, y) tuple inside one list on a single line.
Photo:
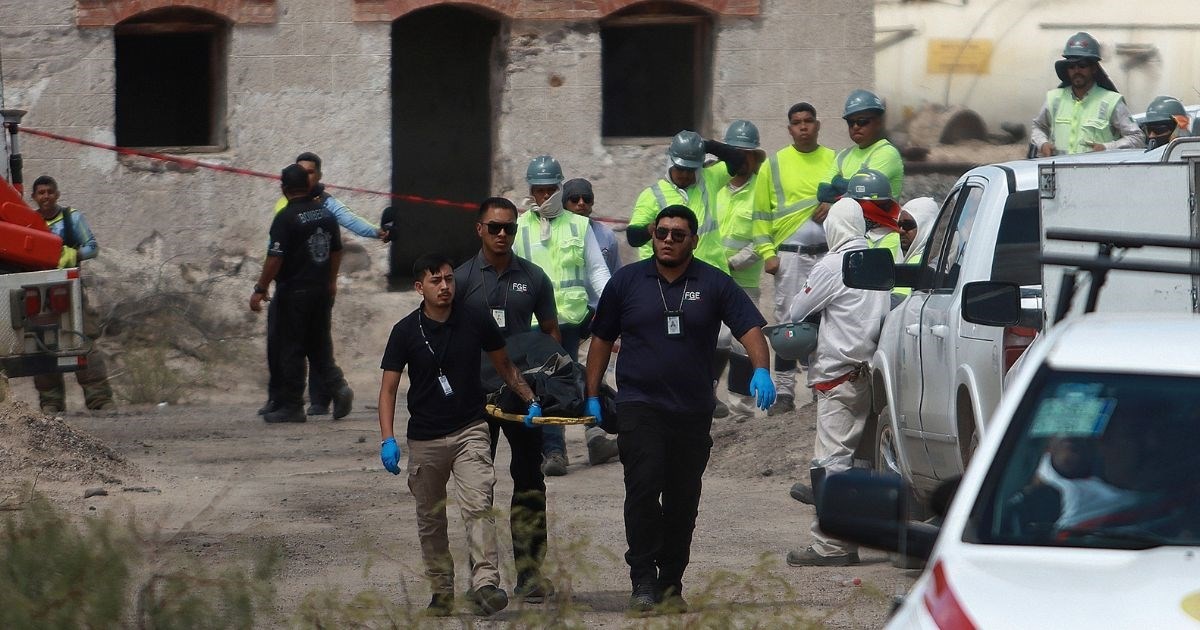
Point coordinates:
[(578, 198), (494, 228), (859, 122), (907, 224), (676, 236), (1160, 128)]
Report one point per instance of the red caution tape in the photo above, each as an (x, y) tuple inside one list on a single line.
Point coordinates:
[(190, 163)]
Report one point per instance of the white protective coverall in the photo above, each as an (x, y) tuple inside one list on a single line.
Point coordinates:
[(850, 323)]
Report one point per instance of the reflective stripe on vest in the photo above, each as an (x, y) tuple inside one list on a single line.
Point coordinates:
[(781, 208), (564, 266), (1086, 123), (709, 223), (866, 163)]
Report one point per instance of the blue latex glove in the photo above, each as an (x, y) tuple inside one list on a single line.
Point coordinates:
[(762, 388), (592, 407), (389, 453), (535, 411)]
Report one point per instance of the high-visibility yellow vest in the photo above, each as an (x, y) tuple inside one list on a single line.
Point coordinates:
[(881, 156), (699, 198), (1078, 124), (891, 241), (735, 223), (785, 195), (561, 257)]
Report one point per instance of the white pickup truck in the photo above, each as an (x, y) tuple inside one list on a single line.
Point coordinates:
[(937, 376)]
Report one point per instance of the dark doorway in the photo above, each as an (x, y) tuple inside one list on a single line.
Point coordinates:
[(442, 60)]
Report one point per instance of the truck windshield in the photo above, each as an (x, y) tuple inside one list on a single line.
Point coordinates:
[(1096, 460)]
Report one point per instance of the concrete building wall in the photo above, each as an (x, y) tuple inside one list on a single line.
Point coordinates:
[(1147, 52), (315, 75)]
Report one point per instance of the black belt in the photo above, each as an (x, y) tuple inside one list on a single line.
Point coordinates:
[(811, 250)]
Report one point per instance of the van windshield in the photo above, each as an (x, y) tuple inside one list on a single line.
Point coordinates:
[(1096, 460)]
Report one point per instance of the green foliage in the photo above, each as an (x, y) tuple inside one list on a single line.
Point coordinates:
[(60, 572), (56, 574)]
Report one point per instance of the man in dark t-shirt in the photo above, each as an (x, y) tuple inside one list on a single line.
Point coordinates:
[(302, 259), (448, 436)]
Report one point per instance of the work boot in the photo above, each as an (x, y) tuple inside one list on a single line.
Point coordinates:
[(642, 599), (803, 493), (268, 407), (671, 601), (601, 449), (783, 404), (343, 401), (318, 410), (808, 557), (554, 464), (441, 605), (51, 408), (488, 600), (534, 590), (720, 410), (285, 414)]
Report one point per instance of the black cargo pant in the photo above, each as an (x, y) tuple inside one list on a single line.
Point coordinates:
[(301, 326), (527, 518), (664, 454), (318, 394)]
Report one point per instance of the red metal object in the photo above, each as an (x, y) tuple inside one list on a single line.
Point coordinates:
[(25, 240)]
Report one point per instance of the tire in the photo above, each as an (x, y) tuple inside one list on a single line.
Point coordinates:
[(966, 426), (886, 456)]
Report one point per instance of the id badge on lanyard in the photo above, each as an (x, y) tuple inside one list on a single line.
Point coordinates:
[(674, 323), (447, 391), (499, 317)]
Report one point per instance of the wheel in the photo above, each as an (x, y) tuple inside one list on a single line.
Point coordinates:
[(887, 458), (966, 426)]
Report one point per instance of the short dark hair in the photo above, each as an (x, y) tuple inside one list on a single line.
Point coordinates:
[(294, 178), (495, 202), (802, 106), (678, 212), (44, 180), (309, 156), (430, 263)]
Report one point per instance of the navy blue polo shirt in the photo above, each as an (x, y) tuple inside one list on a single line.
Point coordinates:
[(673, 374), (453, 350), (523, 290)]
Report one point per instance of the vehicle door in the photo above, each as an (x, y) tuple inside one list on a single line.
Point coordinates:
[(939, 334), (907, 395)]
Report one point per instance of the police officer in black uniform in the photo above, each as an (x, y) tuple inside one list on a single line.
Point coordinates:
[(302, 260), (512, 291)]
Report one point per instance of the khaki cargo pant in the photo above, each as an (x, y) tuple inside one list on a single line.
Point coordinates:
[(841, 417), (466, 456), (93, 380)]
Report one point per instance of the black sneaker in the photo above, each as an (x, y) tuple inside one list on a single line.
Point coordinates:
[(285, 414), (534, 590), (343, 400), (489, 600), (268, 407), (642, 599), (442, 605), (554, 464), (720, 410), (318, 410)]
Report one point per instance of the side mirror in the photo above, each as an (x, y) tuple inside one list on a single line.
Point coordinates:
[(991, 303), (871, 509), (870, 269)]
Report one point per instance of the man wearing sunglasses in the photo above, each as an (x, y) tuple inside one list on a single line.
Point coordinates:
[(579, 198), (864, 121), (1166, 119), (1085, 112), (785, 197), (667, 310), (564, 245)]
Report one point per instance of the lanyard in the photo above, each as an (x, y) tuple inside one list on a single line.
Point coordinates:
[(421, 327), (663, 295)]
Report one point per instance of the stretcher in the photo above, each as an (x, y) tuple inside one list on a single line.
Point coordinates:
[(497, 413)]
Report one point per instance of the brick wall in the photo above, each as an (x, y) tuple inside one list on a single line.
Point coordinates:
[(100, 13), (388, 10)]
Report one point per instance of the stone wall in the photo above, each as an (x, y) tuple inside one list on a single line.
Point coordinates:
[(314, 75)]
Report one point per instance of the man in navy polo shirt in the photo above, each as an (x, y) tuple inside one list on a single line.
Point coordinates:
[(667, 310)]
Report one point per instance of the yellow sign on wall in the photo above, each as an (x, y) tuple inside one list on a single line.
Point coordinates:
[(958, 56)]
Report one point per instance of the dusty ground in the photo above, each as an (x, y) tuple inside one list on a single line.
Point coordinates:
[(221, 485)]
